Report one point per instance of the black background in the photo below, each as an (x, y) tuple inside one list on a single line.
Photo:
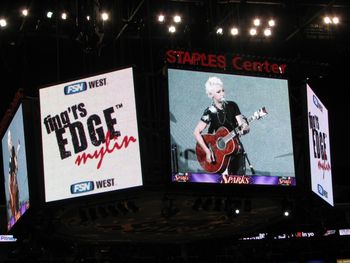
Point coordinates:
[(36, 52)]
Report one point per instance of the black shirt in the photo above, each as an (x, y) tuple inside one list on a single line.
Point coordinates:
[(217, 118), (12, 163), (226, 117)]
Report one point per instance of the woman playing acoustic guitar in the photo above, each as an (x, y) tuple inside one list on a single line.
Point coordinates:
[(221, 118), (12, 178)]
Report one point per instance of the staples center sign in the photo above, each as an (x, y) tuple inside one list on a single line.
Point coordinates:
[(236, 62)]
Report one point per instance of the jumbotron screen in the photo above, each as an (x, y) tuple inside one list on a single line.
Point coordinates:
[(15, 169), (319, 147), (90, 136), (231, 129)]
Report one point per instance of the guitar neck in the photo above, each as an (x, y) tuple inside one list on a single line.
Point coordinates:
[(256, 116), (250, 119)]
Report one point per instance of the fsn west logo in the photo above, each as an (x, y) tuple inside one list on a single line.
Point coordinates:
[(317, 103), (75, 88), (82, 187), (322, 191)]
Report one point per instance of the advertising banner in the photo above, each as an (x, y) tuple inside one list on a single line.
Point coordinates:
[(90, 136), (320, 158)]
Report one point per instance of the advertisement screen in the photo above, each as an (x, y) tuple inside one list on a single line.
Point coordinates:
[(15, 169), (320, 158), (90, 136), (229, 128)]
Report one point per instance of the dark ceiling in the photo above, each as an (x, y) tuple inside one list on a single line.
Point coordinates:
[(36, 51)]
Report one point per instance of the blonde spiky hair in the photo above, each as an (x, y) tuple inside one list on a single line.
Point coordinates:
[(210, 84)]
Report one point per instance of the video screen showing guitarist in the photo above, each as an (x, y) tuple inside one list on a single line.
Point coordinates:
[(12, 182), (221, 118)]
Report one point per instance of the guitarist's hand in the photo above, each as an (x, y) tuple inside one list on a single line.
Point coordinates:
[(244, 128), (208, 156), (243, 125)]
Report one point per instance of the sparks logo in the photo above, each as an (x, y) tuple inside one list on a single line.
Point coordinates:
[(285, 181), (75, 88), (82, 187), (7, 238)]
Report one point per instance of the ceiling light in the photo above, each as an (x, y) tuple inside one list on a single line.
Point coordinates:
[(327, 20), (177, 19), (64, 16), (104, 16), (256, 22), (335, 20), (219, 31), (234, 31), (161, 18), (172, 29), (49, 14), (3, 22), (253, 31), (24, 12), (267, 32), (272, 23)]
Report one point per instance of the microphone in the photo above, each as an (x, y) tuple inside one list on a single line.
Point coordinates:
[(224, 101)]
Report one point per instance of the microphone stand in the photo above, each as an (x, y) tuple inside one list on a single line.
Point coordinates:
[(245, 154), (175, 161)]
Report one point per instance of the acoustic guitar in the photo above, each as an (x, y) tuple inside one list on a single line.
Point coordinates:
[(222, 144)]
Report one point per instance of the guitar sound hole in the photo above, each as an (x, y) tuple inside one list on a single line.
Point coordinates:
[(220, 144)]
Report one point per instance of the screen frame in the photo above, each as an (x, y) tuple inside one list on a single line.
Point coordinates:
[(28, 107), (308, 150), (100, 195), (240, 74)]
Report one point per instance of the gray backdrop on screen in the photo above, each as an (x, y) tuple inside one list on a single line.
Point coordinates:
[(268, 144)]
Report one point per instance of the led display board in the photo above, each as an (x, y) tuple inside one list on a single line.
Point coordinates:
[(255, 147), (15, 168), (90, 136), (319, 147)]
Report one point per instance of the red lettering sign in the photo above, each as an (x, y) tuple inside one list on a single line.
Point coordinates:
[(219, 61)]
